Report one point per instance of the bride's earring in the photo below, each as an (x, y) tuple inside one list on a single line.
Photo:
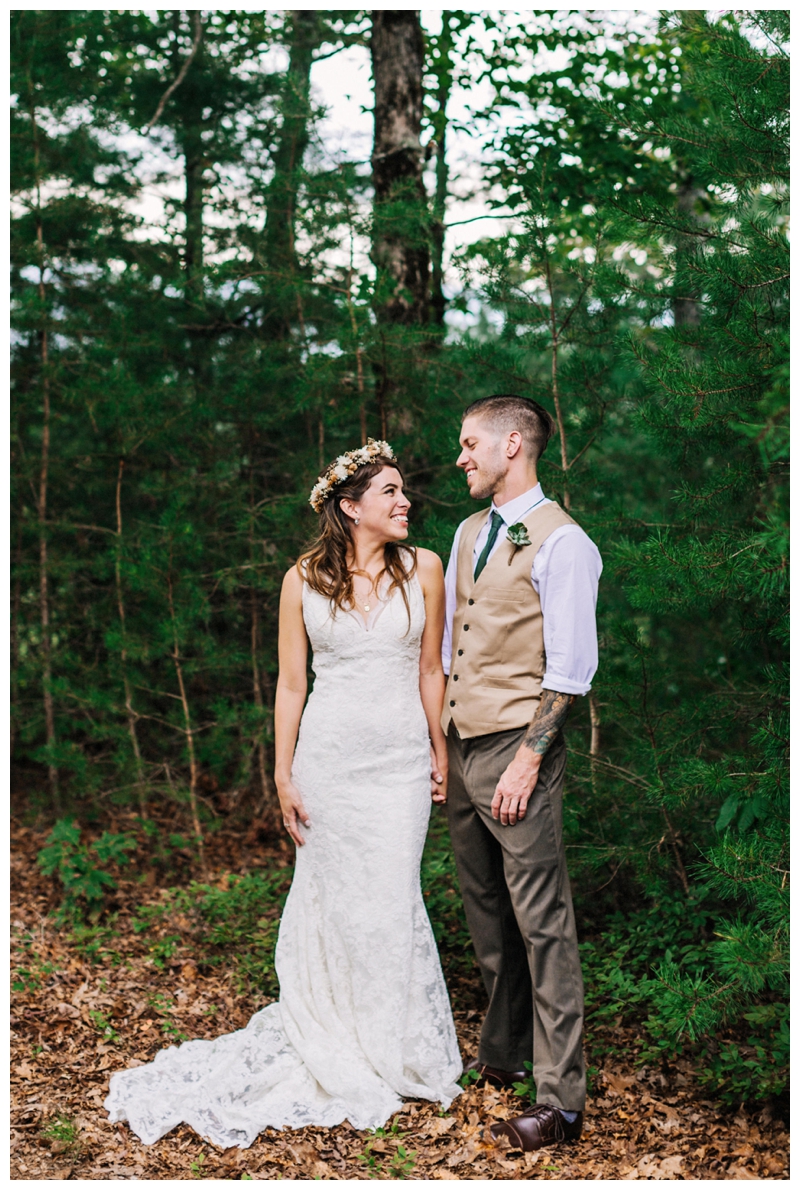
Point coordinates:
[(355, 520)]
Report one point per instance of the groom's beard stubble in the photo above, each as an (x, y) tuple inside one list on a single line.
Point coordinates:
[(486, 480)]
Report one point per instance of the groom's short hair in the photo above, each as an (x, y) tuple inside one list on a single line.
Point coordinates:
[(507, 411)]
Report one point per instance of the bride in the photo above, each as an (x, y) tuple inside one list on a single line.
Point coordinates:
[(363, 1019)]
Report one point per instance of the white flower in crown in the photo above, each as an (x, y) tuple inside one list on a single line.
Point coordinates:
[(347, 465)]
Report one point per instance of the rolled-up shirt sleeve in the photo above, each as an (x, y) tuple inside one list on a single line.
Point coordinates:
[(566, 573)]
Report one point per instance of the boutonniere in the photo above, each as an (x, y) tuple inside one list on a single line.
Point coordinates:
[(518, 536)]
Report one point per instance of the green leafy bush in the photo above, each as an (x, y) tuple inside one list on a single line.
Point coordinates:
[(236, 924), (82, 867)]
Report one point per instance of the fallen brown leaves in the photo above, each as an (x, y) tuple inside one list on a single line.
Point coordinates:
[(74, 1021)]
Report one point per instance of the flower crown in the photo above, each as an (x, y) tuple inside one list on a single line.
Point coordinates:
[(347, 465)]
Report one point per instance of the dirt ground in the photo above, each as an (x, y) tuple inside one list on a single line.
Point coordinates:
[(75, 1021)]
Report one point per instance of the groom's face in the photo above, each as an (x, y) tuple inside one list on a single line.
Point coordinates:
[(483, 457)]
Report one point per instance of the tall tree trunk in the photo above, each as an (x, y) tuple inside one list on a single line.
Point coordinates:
[(268, 792), (44, 473), (194, 770), (197, 153), (444, 80), (16, 601), (194, 151), (130, 713), (258, 698), (399, 243), (685, 306), (555, 343), (279, 232), (280, 302)]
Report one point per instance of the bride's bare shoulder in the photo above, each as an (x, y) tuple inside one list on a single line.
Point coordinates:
[(293, 582), (429, 564)]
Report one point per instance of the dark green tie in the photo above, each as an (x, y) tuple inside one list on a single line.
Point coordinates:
[(494, 529)]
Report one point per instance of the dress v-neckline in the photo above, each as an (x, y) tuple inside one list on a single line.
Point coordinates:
[(369, 622)]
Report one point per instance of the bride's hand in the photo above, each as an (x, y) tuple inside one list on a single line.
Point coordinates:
[(438, 778), (293, 811)]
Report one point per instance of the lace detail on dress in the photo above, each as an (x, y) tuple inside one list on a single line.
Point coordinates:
[(363, 1018)]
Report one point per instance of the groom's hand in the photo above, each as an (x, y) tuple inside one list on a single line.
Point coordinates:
[(438, 779), (511, 797)]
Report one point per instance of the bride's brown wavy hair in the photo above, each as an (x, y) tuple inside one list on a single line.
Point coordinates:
[(324, 564)]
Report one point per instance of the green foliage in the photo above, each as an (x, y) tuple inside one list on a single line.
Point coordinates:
[(402, 1161), (197, 1165), (81, 867), (526, 1088), (244, 917), (235, 924), (201, 368), (62, 1133), (102, 1023), (30, 979), (755, 1069)]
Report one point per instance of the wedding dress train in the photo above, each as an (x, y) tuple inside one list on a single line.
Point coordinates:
[(363, 1020)]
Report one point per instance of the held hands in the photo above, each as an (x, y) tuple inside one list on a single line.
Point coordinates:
[(293, 810), (438, 778), (514, 789)]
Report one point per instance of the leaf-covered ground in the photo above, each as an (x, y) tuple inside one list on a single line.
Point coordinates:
[(84, 1006)]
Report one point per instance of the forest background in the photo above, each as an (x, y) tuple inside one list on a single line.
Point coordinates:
[(210, 301)]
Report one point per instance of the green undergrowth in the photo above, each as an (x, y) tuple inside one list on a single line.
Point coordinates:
[(234, 923), (627, 966), (627, 972)]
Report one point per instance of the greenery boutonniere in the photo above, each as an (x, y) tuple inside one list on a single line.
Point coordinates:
[(518, 536)]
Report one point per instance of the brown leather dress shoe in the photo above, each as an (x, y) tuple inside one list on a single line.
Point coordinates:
[(539, 1126), (495, 1077)]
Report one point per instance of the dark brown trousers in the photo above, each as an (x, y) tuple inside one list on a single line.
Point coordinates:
[(518, 904)]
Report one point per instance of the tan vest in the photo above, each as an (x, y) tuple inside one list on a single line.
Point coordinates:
[(498, 657)]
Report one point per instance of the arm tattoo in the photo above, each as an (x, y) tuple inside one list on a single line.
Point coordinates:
[(550, 717)]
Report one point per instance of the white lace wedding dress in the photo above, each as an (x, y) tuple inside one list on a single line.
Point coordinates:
[(363, 1020)]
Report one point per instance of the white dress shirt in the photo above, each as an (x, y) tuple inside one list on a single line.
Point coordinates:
[(565, 573)]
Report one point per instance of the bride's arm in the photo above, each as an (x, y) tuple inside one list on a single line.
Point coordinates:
[(290, 697), (431, 674)]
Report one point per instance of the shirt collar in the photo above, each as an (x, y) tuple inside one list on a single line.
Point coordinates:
[(516, 509)]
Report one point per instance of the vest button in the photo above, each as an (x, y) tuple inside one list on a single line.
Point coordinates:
[(470, 602), (452, 702), (466, 627), (461, 652), (455, 677)]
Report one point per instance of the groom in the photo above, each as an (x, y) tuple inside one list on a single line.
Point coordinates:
[(520, 645)]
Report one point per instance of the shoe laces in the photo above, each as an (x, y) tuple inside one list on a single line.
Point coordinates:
[(546, 1112)]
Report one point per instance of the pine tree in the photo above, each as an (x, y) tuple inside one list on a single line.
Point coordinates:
[(718, 408)]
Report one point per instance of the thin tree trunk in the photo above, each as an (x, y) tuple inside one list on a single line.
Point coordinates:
[(190, 126), (194, 771), (594, 745), (131, 714), (359, 353), (255, 643), (16, 601), (554, 346), (686, 308), (258, 697), (194, 150), (44, 597), (292, 144), (444, 85)]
